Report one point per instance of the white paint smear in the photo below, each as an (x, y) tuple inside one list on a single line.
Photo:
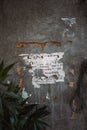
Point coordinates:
[(24, 94), (69, 21), (45, 68), (67, 33)]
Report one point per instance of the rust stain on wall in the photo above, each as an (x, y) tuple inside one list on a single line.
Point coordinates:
[(20, 84), (69, 42), (55, 97), (70, 84), (20, 80), (41, 44), (56, 43), (19, 70), (43, 99), (23, 44)]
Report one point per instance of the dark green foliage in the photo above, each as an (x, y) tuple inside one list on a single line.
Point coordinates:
[(15, 114), (4, 71)]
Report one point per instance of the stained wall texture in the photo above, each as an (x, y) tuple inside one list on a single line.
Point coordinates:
[(60, 21)]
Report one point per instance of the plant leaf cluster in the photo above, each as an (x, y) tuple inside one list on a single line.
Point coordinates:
[(15, 113)]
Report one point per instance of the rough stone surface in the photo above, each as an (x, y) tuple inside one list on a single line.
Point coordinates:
[(40, 20)]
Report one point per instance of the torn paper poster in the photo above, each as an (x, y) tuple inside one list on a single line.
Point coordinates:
[(45, 68)]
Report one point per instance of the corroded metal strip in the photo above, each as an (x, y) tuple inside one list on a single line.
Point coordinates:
[(55, 43), (23, 44), (41, 44)]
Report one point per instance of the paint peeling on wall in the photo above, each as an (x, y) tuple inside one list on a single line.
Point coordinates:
[(68, 31), (69, 21), (45, 68)]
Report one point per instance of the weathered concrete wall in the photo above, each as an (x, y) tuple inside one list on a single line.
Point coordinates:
[(41, 21)]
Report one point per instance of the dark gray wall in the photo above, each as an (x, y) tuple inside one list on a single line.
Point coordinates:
[(40, 20)]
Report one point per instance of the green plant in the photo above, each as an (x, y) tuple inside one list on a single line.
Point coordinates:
[(15, 113)]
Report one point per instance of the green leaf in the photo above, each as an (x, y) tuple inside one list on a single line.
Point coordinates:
[(41, 112), (27, 108), (7, 68), (4, 71), (1, 65), (35, 127), (15, 114), (22, 121), (12, 87), (23, 102), (12, 96)]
